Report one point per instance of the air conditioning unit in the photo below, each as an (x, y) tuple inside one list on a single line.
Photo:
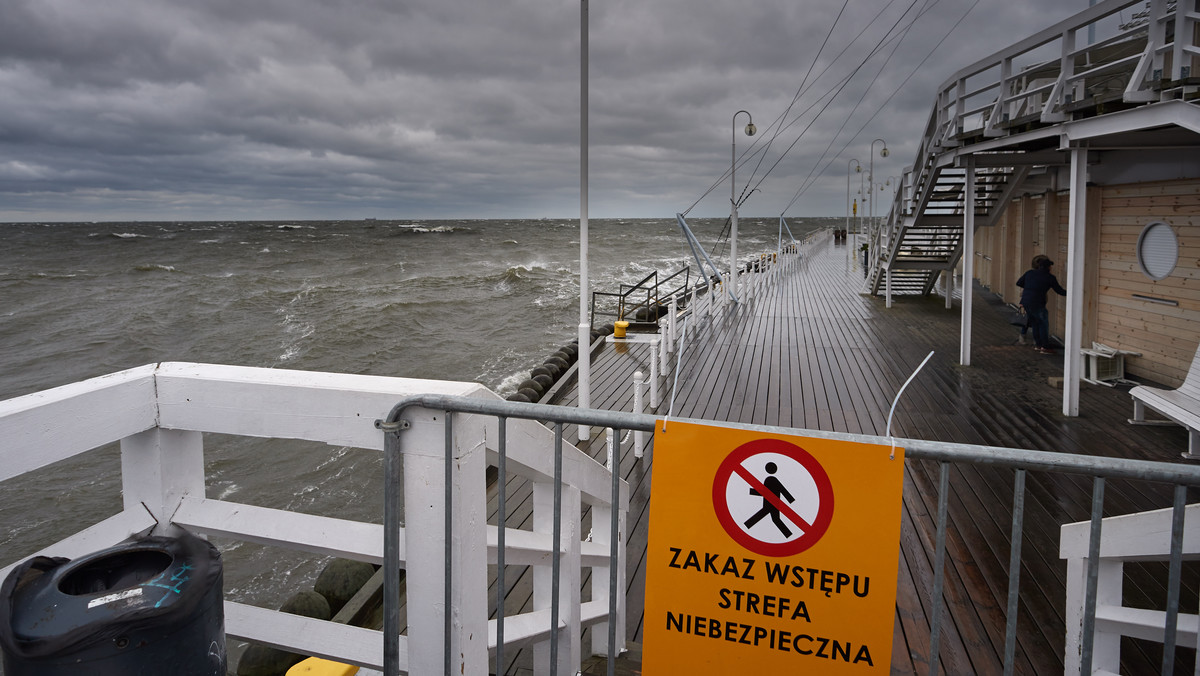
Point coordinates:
[(1103, 365)]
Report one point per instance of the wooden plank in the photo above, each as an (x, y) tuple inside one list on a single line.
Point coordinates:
[(816, 354)]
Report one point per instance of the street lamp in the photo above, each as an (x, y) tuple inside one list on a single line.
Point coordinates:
[(871, 175), (733, 215), (858, 169)]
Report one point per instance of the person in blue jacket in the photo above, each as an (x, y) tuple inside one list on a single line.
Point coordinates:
[(1036, 283)]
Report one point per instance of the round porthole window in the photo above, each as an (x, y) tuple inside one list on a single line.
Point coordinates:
[(1157, 250)]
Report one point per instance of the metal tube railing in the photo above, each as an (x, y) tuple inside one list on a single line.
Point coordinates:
[(613, 535), (394, 424), (1173, 577), (1014, 571), (939, 576), (1093, 573), (556, 542), (501, 527), (944, 453)]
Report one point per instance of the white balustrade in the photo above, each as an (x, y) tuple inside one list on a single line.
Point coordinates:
[(159, 413)]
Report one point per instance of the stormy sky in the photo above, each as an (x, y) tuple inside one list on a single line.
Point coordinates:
[(422, 109)]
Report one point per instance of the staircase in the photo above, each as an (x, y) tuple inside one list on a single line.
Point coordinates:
[(1004, 115), (918, 246)]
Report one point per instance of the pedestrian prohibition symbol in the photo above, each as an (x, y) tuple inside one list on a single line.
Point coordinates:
[(770, 553), (773, 497)]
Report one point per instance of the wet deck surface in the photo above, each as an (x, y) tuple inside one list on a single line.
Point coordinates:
[(814, 353)]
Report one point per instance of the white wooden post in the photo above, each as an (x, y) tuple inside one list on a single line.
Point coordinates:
[(570, 642), (639, 437), (948, 273), (662, 343), (1072, 358), (968, 260), (159, 467), (671, 337), (888, 287), (1106, 647), (654, 397), (424, 510), (612, 447), (599, 584)]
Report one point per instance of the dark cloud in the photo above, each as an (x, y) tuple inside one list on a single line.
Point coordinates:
[(349, 108)]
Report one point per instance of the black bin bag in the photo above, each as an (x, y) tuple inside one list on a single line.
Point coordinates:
[(143, 607)]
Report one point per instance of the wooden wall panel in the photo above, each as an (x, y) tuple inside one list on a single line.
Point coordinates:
[(1166, 335)]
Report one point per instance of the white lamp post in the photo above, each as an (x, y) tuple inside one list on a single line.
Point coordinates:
[(585, 322), (858, 169), (871, 176), (733, 215)]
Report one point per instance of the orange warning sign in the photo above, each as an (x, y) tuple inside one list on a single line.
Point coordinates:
[(769, 550)]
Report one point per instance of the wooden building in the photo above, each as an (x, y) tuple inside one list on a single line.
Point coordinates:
[(1125, 305)]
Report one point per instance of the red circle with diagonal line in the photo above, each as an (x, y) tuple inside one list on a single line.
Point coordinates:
[(814, 489)]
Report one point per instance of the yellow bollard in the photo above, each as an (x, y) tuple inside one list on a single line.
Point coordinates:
[(315, 666)]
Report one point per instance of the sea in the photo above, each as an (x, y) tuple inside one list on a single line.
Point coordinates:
[(467, 300)]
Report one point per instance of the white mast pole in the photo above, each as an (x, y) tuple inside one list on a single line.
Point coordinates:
[(733, 214), (585, 324)]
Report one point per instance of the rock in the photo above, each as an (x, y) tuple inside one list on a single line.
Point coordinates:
[(341, 580), (308, 603), (532, 384), (260, 660)]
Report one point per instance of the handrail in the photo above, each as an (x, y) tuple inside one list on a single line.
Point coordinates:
[(656, 294), (394, 424), (1008, 92), (159, 412)]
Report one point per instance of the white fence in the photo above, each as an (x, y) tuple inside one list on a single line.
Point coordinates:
[(1130, 538), (159, 414)]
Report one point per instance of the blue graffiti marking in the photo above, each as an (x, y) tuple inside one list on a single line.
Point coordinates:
[(173, 584)]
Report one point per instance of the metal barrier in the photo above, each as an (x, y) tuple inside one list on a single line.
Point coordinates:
[(159, 412), (460, 629), (946, 454), (647, 296)]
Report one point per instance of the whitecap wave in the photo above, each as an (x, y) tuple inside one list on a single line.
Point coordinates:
[(422, 228)]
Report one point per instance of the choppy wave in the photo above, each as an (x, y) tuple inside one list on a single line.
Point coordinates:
[(481, 301), (422, 228)]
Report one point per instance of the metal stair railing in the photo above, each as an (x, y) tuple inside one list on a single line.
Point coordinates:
[(1017, 91)]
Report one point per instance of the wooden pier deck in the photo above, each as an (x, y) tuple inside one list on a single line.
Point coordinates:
[(816, 354)]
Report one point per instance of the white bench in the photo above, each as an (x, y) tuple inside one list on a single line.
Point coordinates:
[(1180, 405)]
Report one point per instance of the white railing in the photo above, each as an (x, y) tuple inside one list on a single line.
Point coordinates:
[(1115, 50), (1020, 82), (159, 414), (1134, 537)]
